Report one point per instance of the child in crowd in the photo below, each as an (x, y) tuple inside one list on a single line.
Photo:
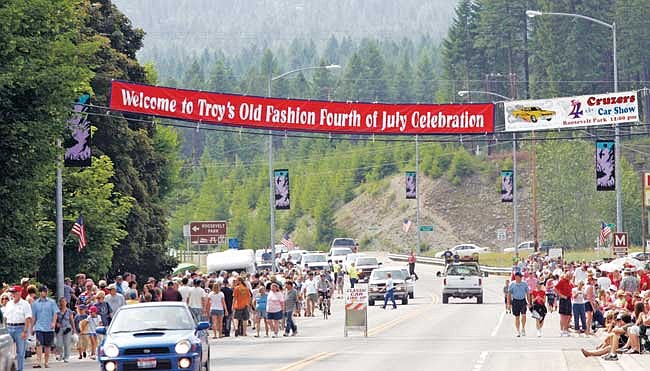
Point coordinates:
[(81, 325)]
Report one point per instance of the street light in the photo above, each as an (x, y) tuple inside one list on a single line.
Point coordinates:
[(617, 138), (271, 177), (463, 93)]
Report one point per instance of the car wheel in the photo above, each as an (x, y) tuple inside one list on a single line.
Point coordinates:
[(479, 299), (405, 301), (533, 118), (445, 299), (371, 303)]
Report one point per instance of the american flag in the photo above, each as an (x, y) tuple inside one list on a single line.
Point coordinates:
[(79, 230), (406, 226), (286, 241), (605, 231)]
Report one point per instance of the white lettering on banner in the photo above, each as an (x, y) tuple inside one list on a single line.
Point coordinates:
[(461, 121), (217, 111), (131, 98), (351, 119), (290, 116)]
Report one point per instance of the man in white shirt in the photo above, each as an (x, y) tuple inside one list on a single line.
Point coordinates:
[(18, 316), (184, 289), (580, 275), (603, 281), (311, 293), (195, 300)]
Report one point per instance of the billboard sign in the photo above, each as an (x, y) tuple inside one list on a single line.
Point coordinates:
[(571, 112)]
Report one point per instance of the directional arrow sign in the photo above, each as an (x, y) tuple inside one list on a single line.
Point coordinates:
[(207, 233)]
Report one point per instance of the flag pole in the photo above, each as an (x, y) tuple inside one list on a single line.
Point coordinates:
[(59, 227)]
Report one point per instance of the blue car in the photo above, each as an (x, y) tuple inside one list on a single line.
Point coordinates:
[(154, 336)]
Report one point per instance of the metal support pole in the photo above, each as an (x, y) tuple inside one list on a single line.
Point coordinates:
[(417, 190), (514, 193), (617, 148), (59, 227), (271, 188), (643, 230)]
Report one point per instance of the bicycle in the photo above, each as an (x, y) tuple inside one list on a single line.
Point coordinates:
[(326, 306)]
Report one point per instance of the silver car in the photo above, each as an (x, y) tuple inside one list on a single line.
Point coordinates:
[(6, 349)]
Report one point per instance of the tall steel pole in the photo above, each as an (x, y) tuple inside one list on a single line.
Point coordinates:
[(417, 190), (514, 193), (271, 185), (59, 227), (617, 147)]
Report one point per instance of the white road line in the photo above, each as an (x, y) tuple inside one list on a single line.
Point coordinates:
[(496, 329), (481, 361)]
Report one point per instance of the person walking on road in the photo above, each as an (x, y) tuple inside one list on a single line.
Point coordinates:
[(241, 303), (274, 307), (563, 290), (227, 318), (290, 303), (18, 314), (390, 291), (217, 309), (44, 310), (411, 261), (195, 300), (539, 306), (64, 329), (518, 299)]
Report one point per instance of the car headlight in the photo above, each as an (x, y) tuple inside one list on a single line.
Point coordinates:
[(183, 347), (111, 350)]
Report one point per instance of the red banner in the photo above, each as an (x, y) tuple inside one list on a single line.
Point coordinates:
[(302, 115)]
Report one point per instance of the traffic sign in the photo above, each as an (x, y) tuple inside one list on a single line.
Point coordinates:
[(207, 233), (233, 243), (621, 243), (646, 180), (426, 228)]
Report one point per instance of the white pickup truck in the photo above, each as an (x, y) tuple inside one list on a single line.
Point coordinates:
[(462, 280)]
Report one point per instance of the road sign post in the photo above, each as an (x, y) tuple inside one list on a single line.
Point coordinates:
[(208, 233), (426, 228), (356, 309), (621, 244)]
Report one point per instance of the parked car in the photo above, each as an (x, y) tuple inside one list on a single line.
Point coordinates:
[(314, 262), (160, 336), (338, 254), (467, 249), (343, 242), (410, 283), (462, 280), (365, 265), (6, 348), (524, 246), (377, 285)]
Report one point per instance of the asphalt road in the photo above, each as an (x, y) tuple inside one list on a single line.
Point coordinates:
[(423, 335)]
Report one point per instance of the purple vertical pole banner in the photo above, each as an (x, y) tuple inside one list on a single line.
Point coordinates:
[(411, 185), (605, 166), (507, 185), (77, 141), (282, 194)]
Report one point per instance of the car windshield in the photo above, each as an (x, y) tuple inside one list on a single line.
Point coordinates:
[(315, 258), (342, 242), (152, 319), (462, 270), (382, 275), (366, 261), (341, 251)]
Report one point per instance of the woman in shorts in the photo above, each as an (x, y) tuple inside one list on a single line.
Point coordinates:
[(260, 310), (538, 296), (218, 308), (275, 307), (550, 293)]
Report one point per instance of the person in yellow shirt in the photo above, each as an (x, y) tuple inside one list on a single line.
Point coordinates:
[(133, 298), (354, 275)]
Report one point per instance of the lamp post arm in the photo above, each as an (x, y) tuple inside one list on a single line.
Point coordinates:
[(582, 17)]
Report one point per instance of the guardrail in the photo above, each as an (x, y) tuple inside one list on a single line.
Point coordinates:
[(438, 261)]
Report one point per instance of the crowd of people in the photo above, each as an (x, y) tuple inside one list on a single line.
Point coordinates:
[(613, 305), (232, 302)]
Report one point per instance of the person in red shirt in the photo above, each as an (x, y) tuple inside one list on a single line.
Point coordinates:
[(539, 306), (412, 265), (563, 290), (644, 284)]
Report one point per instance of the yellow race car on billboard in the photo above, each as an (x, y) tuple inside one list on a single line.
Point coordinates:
[(533, 114)]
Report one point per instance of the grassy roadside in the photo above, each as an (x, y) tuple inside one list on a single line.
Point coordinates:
[(500, 259)]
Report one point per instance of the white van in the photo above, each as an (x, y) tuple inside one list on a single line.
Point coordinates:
[(232, 260)]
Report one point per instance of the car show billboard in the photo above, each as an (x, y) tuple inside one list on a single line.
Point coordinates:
[(571, 112), (301, 115)]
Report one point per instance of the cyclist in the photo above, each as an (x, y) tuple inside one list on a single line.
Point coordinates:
[(325, 289)]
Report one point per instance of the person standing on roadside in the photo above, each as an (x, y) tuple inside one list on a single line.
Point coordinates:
[(354, 275), (390, 291), (171, 294), (18, 316), (114, 299), (290, 303), (412, 261), (228, 297), (563, 290), (44, 310), (517, 295), (241, 303)]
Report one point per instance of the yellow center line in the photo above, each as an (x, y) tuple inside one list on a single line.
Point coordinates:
[(307, 361), (383, 327)]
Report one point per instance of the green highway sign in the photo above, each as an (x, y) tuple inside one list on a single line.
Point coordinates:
[(426, 228)]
